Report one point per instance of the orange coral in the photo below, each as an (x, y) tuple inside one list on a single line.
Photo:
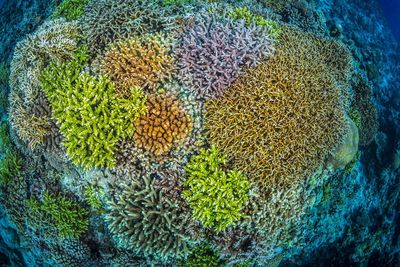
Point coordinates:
[(164, 123), (142, 62), (280, 120)]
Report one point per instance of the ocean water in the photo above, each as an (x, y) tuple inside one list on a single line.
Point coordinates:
[(194, 133)]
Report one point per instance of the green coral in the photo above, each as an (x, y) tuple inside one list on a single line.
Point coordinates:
[(93, 197), (70, 9), (243, 13), (176, 2), (216, 196), (200, 256), (10, 162), (92, 118), (69, 218), (4, 73)]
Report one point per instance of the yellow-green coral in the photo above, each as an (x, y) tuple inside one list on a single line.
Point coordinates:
[(215, 195), (70, 9), (92, 119)]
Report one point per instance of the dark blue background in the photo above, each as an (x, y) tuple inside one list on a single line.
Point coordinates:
[(391, 9)]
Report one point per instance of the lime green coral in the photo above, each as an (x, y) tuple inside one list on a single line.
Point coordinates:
[(92, 118), (243, 13), (93, 197), (70, 9), (70, 219), (215, 195)]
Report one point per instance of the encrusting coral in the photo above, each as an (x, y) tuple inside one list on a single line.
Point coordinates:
[(280, 120), (215, 49), (138, 62), (92, 119), (164, 124), (141, 219), (216, 196)]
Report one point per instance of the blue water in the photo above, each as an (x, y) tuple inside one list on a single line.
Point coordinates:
[(391, 9)]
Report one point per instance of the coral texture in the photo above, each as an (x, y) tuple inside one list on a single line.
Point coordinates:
[(138, 62), (280, 120), (216, 196), (70, 9), (106, 22), (214, 51), (164, 124), (142, 220)]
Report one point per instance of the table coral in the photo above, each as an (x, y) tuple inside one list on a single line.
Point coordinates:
[(164, 124), (144, 62), (280, 120)]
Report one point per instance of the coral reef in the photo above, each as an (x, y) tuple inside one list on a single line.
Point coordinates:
[(138, 62), (140, 219), (164, 124), (280, 127), (214, 51), (215, 196)]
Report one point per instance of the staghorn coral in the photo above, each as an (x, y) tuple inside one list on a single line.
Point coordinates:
[(216, 196), (164, 124), (214, 50), (280, 120), (10, 160), (106, 22), (90, 134), (363, 107), (138, 62), (54, 40), (141, 219)]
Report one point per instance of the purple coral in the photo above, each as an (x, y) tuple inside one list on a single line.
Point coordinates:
[(214, 50)]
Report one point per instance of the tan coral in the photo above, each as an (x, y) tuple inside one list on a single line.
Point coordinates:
[(165, 123), (143, 62), (282, 119)]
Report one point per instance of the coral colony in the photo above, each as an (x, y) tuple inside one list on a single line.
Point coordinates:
[(184, 133)]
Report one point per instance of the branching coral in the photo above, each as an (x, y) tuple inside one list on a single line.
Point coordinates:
[(10, 161), (143, 62), (141, 219), (280, 120), (214, 50), (55, 40), (70, 9), (92, 119), (200, 256), (105, 22), (70, 219), (164, 124), (216, 196)]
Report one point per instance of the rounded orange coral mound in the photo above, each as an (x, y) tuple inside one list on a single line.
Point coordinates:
[(164, 123), (280, 120), (142, 62)]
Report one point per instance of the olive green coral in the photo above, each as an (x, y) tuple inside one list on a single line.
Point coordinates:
[(92, 119), (215, 195), (10, 161)]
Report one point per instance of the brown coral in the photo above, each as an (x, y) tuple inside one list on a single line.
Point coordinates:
[(280, 120), (141, 62), (164, 123)]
